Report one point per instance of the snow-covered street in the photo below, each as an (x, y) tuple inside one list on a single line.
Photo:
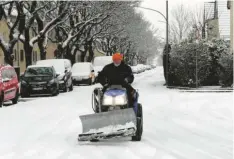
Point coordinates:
[(177, 125)]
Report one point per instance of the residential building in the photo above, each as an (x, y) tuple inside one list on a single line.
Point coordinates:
[(217, 20), (18, 51), (230, 6)]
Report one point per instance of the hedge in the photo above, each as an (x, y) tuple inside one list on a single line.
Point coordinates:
[(214, 64)]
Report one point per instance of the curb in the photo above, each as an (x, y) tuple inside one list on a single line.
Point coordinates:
[(203, 89)]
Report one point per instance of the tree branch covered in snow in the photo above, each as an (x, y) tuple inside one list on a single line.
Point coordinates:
[(15, 23), (107, 26)]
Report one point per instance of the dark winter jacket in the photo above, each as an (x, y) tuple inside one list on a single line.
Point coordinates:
[(113, 75)]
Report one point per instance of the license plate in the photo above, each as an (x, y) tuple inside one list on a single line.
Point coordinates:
[(39, 88)]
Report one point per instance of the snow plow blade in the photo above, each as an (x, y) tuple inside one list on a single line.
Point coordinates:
[(105, 125)]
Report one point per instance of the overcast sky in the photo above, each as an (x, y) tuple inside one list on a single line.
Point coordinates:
[(160, 5)]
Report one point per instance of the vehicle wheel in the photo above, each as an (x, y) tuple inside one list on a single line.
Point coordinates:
[(56, 92), (1, 101), (139, 131), (15, 100), (71, 87), (24, 95)]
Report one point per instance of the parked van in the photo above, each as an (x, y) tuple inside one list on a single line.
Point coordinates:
[(83, 73), (99, 62)]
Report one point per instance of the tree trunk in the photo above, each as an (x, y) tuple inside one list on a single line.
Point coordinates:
[(7, 55), (8, 59), (59, 51), (42, 49), (83, 53), (27, 48), (69, 55), (82, 58), (40, 25), (91, 53)]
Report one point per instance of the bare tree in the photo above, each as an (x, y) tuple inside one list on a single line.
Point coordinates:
[(15, 25), (180, 25), (54, 14)]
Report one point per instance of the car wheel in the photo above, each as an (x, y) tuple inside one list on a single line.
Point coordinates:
[(1, 101), (56, 92), (24, 95), (15, 100)]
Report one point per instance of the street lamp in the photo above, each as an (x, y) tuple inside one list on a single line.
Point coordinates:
[(167, 33), (154, 11)]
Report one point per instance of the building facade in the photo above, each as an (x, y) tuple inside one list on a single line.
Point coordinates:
[(19, 54), (230, 6), (217, 19), (18, 51)]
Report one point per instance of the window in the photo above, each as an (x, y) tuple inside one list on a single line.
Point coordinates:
[(12, 73), (8, 73), (4, 74), (21, 55), (45, 71)]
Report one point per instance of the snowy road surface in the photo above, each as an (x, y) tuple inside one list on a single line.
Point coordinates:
[(176, 126)]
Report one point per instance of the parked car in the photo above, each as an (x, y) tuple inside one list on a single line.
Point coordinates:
[(39, 80), (63, 69), (134, 69), (9, 88), (153, 66), (99, 62), (83, 73)]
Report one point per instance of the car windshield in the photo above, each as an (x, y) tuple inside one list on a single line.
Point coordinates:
[(39, 71), (81, 67), (58, 64)]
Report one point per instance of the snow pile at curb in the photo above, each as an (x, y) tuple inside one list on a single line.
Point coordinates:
[(141, 68)]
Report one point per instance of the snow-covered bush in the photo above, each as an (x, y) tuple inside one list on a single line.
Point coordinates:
[(183, 64), (223, 57), (214, 63), (226, 74)]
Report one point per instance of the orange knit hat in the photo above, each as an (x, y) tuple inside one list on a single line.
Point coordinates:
[(117, 57)]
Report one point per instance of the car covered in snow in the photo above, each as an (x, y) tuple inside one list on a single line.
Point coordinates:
[(83, 73), (39, 79), (63, 69), (9, 88), (99, 62), (134, 69)]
